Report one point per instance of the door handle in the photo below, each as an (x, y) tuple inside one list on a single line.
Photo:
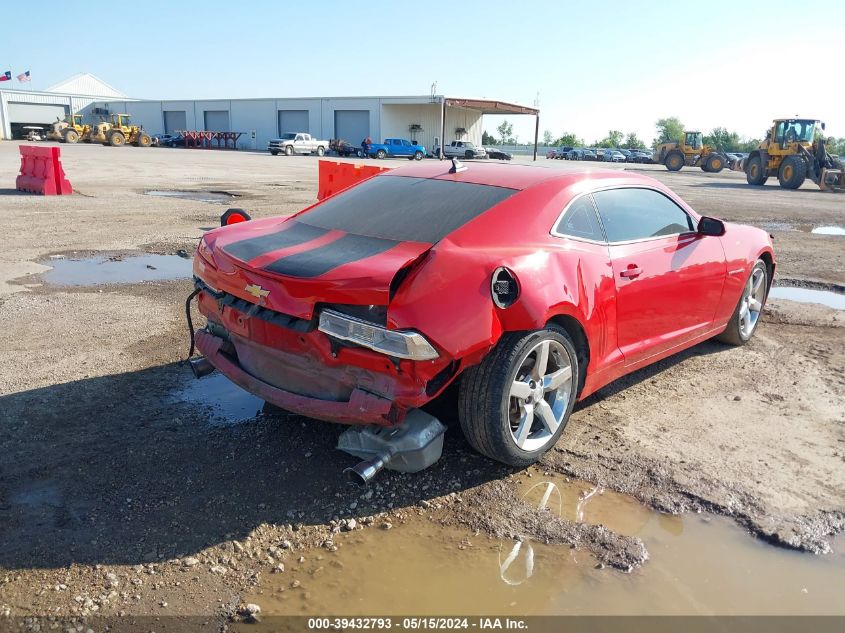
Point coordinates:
[(631, 272)]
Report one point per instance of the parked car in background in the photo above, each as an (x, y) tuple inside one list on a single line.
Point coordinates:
[(562, 152), (169, 140), (575, 154), (397, 147), (461, 149), (552, 153), (614, 156), (589, 154), (625, 152), (640, 156), (344, 148), (498, 154), (299, 143), (443, 286)]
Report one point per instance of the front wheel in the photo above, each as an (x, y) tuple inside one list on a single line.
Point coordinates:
[(515, 404), (714, 163), (274, 152), (288, 150), (746, 316), (674, 161), (792, 172), (418, 155)]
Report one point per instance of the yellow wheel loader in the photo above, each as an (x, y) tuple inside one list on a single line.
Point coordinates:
[(120, 131), (71, 130), (794, 150), (690, 151)]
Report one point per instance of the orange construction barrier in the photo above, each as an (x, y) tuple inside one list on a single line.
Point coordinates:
[(335, 176), (41, 172)]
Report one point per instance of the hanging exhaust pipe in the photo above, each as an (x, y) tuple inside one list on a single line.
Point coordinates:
[(410, 447), (362, 472), (201, 366)]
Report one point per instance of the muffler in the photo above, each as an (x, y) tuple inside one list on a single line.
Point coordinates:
[(201, 366), (409, 448)]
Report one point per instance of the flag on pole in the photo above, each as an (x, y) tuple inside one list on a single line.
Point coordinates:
[(7, 76), (24, 77)]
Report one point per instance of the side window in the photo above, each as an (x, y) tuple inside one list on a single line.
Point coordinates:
[(580, 221), (636, 214)]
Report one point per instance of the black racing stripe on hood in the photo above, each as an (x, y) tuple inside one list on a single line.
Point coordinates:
[(322, 259), (296, 234)]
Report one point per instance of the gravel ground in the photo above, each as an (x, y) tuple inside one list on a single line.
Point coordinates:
[(117, 499)]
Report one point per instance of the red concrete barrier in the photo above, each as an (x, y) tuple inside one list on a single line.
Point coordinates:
[(41, 171), (335, 176)]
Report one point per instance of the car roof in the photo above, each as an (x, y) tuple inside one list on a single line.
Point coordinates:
[(518, 177)]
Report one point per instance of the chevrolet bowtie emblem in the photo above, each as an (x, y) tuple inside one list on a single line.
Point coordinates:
[(257, 291)]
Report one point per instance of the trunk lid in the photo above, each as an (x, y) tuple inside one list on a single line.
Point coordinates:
[(289, 266)]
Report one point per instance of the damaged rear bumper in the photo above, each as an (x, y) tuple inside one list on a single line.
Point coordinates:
[(361, 408)]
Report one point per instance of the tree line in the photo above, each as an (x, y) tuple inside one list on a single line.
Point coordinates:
[(667, 129)]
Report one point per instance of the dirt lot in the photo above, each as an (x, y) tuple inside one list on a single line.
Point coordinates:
[(117, 498)]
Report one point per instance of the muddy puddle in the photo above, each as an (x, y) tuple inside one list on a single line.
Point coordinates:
[(214, 197), (698, 565), (803, 228), (225, 402), (103, 269), (808, 295), (829, 230)]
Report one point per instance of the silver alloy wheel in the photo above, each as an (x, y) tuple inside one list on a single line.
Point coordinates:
[(539, 395), (751, 303)]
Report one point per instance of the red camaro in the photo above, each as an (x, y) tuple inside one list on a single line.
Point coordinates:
[(533, 287)]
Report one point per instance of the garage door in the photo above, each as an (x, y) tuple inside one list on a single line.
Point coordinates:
[(35, 112), (175, 120), (293, 121), (352, 125), (217, 120)]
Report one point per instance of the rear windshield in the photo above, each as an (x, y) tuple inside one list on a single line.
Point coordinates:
[(405, 209)]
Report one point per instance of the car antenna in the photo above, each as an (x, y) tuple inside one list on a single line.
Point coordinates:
[(457, 166)]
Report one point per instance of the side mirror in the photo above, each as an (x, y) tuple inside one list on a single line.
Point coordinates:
[(711, 226)]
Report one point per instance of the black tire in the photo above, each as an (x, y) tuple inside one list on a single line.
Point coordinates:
[(418, 155), (116, 139), (484, 398), (755, 171), (792, 172), (381, 154), (714, 163), (674, 160), (288, 150), (733, 334), (469, 154), (321, 151), (274, 152)]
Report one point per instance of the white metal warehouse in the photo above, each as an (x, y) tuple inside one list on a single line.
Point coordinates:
[(426, 119)]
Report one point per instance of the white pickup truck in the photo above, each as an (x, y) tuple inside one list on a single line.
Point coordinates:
[(299, 143)]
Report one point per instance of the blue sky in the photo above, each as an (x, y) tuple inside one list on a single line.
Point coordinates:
[(597, 66)]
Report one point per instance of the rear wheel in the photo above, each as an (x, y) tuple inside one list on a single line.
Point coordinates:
[(792, 172), (321, 151), (514, 406), (674, 160), (755, 172), (714, 163), (746, 316), (116, 139), (71, 136), (381, 154)]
